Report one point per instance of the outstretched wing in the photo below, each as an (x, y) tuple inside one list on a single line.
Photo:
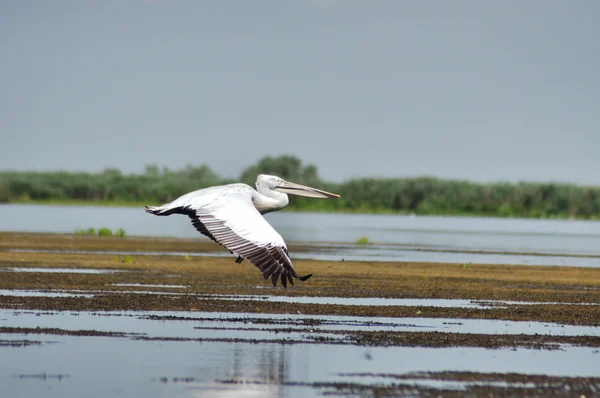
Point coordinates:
[(236, 224), (231, 220)]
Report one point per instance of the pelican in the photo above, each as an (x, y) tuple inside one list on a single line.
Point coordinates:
[(231, 215)]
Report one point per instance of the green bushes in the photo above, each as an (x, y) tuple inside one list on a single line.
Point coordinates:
[(85, 232), (101, 232), (421, 195), (434, 196), (104, 232), (110, 185)]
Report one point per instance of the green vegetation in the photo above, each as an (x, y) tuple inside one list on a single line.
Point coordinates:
[(84, 232), (101, 232), (419, 195), (104, 232), (127, 259), (363, 241)]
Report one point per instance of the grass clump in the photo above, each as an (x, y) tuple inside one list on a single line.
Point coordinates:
[(363, 241), (127, 259)]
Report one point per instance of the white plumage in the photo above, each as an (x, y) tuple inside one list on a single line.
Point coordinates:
[(231, 215)]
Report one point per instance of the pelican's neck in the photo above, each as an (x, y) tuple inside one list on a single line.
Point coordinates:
[(266, 200)]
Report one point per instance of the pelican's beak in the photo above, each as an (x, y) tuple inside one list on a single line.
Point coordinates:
[(302, 190)]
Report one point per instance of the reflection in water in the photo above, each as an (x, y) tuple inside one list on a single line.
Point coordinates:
[(253, 373)]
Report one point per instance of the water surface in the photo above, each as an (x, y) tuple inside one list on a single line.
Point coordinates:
[(396, 237), (457, 232), (69, 366)]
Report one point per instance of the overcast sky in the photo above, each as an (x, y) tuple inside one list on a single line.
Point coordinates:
[(482, 90)]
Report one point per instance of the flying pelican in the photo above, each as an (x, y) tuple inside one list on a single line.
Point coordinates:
[(231, 215)]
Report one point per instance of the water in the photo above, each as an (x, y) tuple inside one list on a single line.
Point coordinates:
[(562, 236), (100, 367), (379, 253), (60, 270), (148, 285), (70, 366), (35, 293), (344, 301), (260, 327), (398, 238)]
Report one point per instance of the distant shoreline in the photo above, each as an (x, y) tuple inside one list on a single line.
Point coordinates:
[(421, 196)]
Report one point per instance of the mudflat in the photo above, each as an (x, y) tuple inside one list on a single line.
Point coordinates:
[(552, 294)]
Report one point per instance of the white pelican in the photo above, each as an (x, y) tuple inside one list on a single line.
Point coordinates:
[(231, 215)]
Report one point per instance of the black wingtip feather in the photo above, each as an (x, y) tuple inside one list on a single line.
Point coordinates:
[(284, 279), (149, 209), (305, 277), (274, 277)]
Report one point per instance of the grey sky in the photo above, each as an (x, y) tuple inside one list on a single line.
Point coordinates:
[(483, 90)]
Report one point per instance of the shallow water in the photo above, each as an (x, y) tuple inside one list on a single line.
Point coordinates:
[(502, 234), (60, 270), (379, 253), (228, 325), (68, 366), (378, 301), (140, 368), (397, 238), (36, 293), (318, 300), (148, 285), (449, 255)]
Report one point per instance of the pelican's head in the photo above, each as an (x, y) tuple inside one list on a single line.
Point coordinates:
[(274, 183)]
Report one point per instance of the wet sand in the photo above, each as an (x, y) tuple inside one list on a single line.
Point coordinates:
[(141, 282)]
